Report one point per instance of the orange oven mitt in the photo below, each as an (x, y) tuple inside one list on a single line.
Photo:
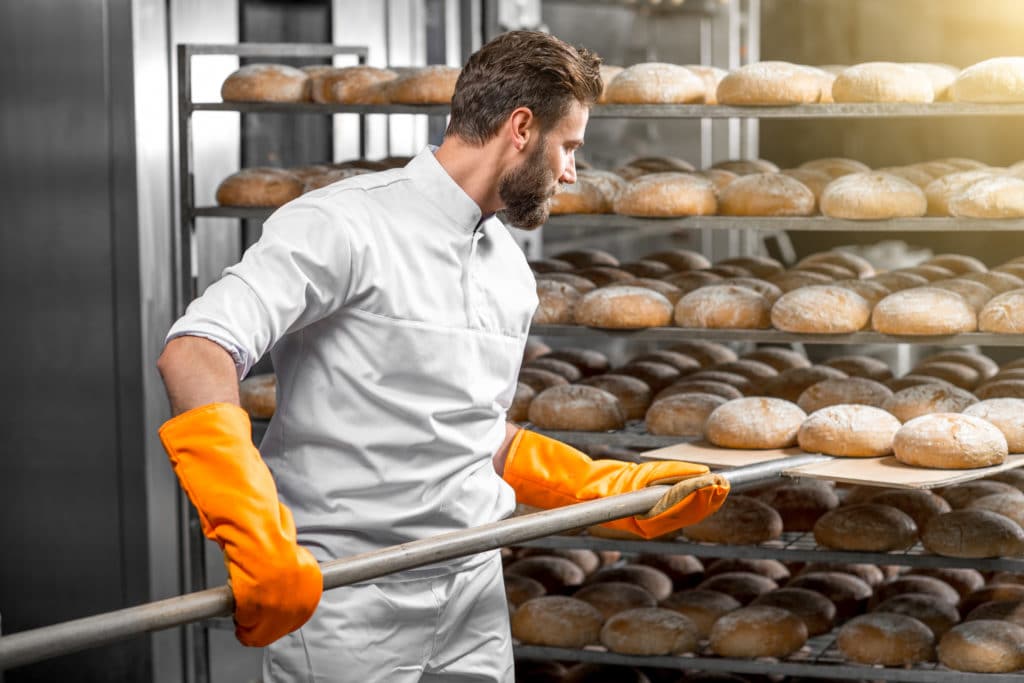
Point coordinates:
[(276, 582), (546, 473)]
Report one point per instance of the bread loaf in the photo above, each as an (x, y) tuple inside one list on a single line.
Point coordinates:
[(754, 423), (766, 194), (997, 196), (699, 386), (882, 82), (560, 367), (861, 366), (653, 580), (847, 592), (868, 573), (266, 83), (557, 303), (918, 504), (681, 414), (941, 77), (772, 569), (623, 307), (578, 408), (1007, 414), (918, 176), (993, 592), (799, 504), (997, 282), (789, 384), (434, 84), (983, 646), (740, 521), (795, 279), (556, 621), (633, 394), (258, 395), (929, 273), (973, 533), (849, 390), (649, 631), (924, 311), (866, 526), (746, 166), (683, 570), (702, 607), (351, 85), (583, 196), (519, 411), (740, 382), (886, 638), (939, 616), (680, 361), (711, 76), (917, 584), (1004, 313), (872, 196), (259, 186), (656, 375), (655, 83), (896, 281), (855, 431), (723, 307), (758, 631), (1000, 79), (778, 357), (1007, 505), (680, 259), (1003, 388), (667, 195), (985, 366), (705, 352), (821, 309), (999, 610), (975, 293), (613, 597), (951, 372), (961, 495), (555, 574), (815, 610), (835, 167), (949, 441), (770, 83)]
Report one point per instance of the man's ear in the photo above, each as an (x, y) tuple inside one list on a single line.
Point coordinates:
[(521, 125)]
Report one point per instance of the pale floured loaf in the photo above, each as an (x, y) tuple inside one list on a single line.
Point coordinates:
[(872, 291), (1000, 79), (886, 638), (923, 311), (667, 195), (608, 73), (766, 194), (557, 621), (608, 182), (925, 399), (434, 84), (975, 293), (1007, 414), (973, 533), (872, 196), (755, 423), (983, 646), (723, 307), (821, 309), (882, 82), (578, 408), (847, 430), (266, 83), (917, 176), (996, 196), (681, 414), (772, 84), (866, 526), (849, 390), (815, 181), (949, 441), (655, 83), (623, 307), (758, 631), (1003, 313), (259, 186), (583, 196), (650, 631)]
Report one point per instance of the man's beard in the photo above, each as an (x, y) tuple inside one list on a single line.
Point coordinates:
[(527, 190)]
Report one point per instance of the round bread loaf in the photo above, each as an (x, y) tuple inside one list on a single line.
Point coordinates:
[(681, 414), (772, 569), (1015, 268), (778, 358), (814, 609), (789, 384), (1014, 478), (997, 282), (434, 84), (1003, 313), (259, 186), (680, 361), (795, 279), (755, 371), (550, 265), (925, 399), (813, 180), (723, 307), (680, 259), (560, 367), (588, 258), (758, 631), (770, 83), (1007, 414), (959, 375), (555, 574), (589, 361), (351, 85), (958, 263), (872, 196), (919, 504), (835, 167), (907, 381), (965, 581), (609, 183), (941, 190), (534, 349), (578, 408), (847, 592), (997, 196), (727, 271), (651, 579), (702, 607), (557, 303), (766, 194), (938, 589), (647, 269), (690, 280), (896, 281), (623, 307), (739, 382), (799, 504), (683, 570), (655, 83), (699, 386), (975, 293), (821, 309), (258, 395), (1005, 504), (265, 83), (866, 526), (999, 610), (983, 646), (831, 270), (519, 589), (1015, 373), (746, 166), (985, 366), (887, 639), (706, 353), (1004, 388), (583, 196), (634, 394), (557, 621), (587, 560), (743, 586), (757, 266), (849, 390), (612, 597), (973, 533), (519, 411), (939, 616), (949, 441), (924, 311), (853, 431), (656, 375), (918, 176), (770, 292), (1000, 79), (754, 423), (667, 195), (650, 631), (961, 495), (929, 273), (740, 521), (867, 573), (861, 366), (858, 264), (882, 82), (993, 592)]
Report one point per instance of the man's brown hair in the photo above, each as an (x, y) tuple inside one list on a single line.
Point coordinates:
[(521, 69)]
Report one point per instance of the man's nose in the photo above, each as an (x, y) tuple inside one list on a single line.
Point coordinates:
[(569, 176)]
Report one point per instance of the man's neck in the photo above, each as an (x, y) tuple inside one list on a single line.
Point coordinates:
[(475, 168)]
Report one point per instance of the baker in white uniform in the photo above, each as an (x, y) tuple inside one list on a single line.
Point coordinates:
[(396, 307)]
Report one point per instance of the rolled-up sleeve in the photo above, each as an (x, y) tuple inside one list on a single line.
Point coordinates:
[(298, 272)]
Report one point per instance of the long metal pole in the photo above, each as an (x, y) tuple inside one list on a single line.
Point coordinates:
[(71, 636)]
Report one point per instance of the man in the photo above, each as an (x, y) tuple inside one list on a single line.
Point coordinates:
[(396, 308)]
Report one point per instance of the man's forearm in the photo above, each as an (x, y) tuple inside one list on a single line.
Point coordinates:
[(197, 372)]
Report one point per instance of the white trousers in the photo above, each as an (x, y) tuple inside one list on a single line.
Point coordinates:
[(448, 628)]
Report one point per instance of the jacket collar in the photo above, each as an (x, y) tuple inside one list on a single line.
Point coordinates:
[(443, 192)]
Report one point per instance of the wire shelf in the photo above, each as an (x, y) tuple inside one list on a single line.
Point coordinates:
[(775, 223)]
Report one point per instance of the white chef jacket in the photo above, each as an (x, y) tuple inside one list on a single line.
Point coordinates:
[(396, 318)]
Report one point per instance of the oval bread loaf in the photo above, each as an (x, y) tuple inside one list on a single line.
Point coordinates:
[(557, 621), (766, 194), (821, 309), (866, 526), (266, 83), (754, 423), (949, 441), (872, 196), (667, 195), (723, 307), (758, 631), (853, 431), (924, 311), (578, 408), (649, 631), (623, 307), (886, 638), (882, 82), (973, 533), (770, 83), (1000, 79), (655, 83), (983, 646)]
